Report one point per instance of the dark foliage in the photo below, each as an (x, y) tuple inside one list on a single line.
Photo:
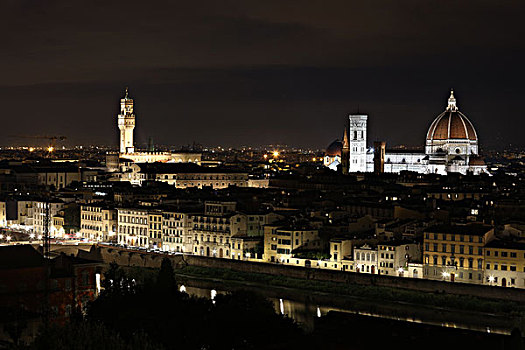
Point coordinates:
[(239, 320)]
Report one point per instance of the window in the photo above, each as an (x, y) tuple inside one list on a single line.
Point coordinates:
[(443, 260), (513, 254), (504, 254)]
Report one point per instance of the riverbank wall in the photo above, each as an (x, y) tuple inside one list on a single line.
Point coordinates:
[(129, 258)]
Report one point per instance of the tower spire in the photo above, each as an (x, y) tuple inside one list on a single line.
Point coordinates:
[(452, 102), (127, 94), (345, 139)]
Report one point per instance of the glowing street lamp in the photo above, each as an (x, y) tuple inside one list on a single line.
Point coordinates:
[(275, 154), (32, 235), (50, 149), (445, 274), (8, 238)]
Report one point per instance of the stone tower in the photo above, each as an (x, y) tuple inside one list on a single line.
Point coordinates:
[(357, 142), (345, 152), (126, 124)]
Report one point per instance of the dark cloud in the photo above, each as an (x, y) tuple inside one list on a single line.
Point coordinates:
[(250, 72)]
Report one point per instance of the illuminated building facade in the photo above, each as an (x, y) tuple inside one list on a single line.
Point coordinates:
[(451, 146), (280, 241), (98, 223), (455, 253), (505, 264)]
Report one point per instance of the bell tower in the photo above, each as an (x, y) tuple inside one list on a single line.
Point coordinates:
[(357, 128), (126, 124)]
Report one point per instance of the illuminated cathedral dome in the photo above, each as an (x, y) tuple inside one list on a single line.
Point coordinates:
[(452, 132)]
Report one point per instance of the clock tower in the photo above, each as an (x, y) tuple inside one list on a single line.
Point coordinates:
[(126, 124)]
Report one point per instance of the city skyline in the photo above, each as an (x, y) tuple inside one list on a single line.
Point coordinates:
[(252, 75)]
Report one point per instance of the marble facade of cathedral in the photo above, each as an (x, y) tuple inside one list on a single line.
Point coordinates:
[(451, 146)]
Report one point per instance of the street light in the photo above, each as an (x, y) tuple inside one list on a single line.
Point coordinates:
[(8, 238)]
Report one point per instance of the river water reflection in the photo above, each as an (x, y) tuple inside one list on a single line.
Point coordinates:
[(304, 308)]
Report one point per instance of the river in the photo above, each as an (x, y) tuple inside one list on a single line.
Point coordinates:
[(304, 307)]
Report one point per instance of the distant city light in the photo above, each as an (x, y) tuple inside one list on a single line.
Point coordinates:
[(50, 149), (275, 154)]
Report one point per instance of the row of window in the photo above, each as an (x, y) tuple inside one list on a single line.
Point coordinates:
[(452, 237), (502, 267), (503, 254), (445, 248), (461, 262)]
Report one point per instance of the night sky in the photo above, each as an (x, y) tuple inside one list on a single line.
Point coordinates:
[(256, 72)]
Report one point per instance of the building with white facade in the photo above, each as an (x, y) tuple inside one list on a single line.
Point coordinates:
[(451, 145), (176, 236), (39, 213), (133, 228), (98, 223)]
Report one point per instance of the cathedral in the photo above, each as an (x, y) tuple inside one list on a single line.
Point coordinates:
[(126, 125), (451, 146)]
